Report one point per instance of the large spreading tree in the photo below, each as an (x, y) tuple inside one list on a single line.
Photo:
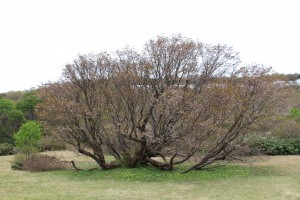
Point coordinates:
[(176, 99)]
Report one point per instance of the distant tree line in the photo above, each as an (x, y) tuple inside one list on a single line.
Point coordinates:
[(15, 109), (287, 77)]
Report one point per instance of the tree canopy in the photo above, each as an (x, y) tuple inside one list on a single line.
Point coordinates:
[(27, 104), (175, 99), (10, 120), (28, 138)]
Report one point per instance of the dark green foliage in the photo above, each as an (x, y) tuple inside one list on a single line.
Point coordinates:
[(11, 120), (27, 105), (16, 166), (6, 149), (282, 135), (278, 146)]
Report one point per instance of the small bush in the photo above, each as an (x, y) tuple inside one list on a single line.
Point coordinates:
[(43, 163), (6, 149), (37, 163), (278, 146), (17, 163), (294, 112)]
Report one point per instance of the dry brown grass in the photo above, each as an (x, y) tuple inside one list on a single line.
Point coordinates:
[(285, 164)]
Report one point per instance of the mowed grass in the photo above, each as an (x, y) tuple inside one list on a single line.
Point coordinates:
[(275, 177)]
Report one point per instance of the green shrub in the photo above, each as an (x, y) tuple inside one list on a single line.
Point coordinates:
[(6, 149), (28, 138), (295, 114), (278, 146)]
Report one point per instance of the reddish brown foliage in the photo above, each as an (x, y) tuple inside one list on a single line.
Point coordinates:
[(173, 100)]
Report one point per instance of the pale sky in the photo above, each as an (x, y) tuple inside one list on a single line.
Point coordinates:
[(38, 37)]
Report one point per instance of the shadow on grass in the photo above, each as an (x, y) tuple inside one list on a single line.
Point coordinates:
[(151, 174)]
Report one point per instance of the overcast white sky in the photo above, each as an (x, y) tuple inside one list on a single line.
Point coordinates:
[(37, 37)]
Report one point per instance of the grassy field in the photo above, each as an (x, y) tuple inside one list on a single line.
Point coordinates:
[(275, 177)]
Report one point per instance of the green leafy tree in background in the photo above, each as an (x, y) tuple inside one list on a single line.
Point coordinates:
[(27, 105), (11, 120), (28, 138)]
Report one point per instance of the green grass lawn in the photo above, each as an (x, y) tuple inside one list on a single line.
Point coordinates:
[(275, 177)]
